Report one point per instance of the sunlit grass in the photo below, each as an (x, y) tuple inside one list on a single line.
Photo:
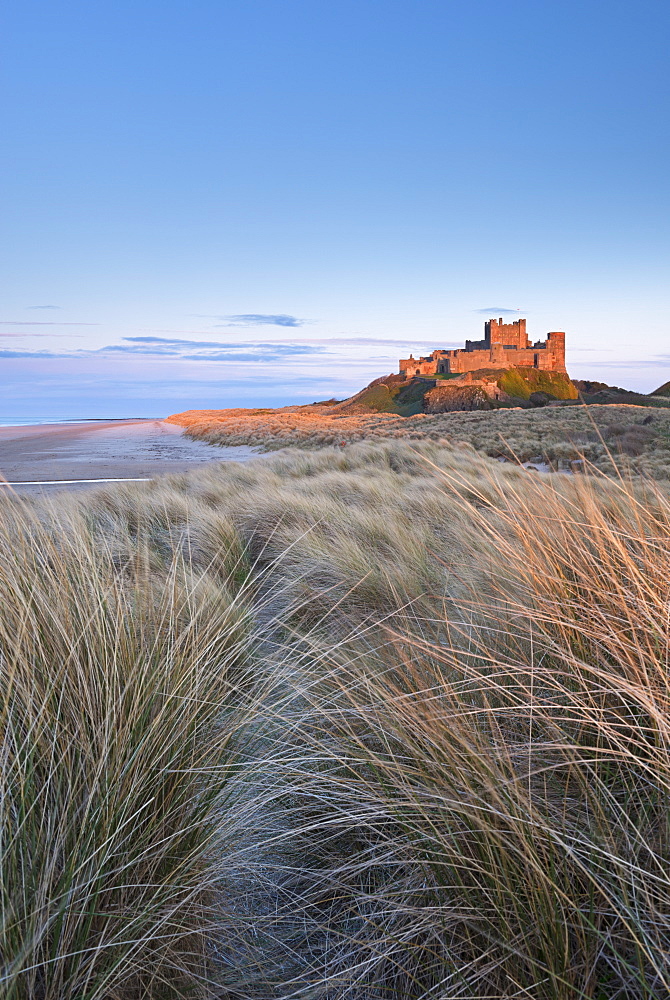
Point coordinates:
[(632, 438), (382, 721)]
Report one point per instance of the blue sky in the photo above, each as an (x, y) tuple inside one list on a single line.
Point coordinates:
[(218, 203)]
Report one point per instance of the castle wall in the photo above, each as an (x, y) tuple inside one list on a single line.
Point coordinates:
[(505, 345), (418, 366)]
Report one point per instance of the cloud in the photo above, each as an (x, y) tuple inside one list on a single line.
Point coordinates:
[(416, 342), (42, 307), (205, 350), (410, 342), (261, 319), (498, 311), (192, 349), (265, 353), (38, 390), (178, 349), (33, 333), (174, 342), (31, 354), (24, 322)]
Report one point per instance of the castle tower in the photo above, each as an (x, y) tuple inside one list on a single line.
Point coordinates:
[(556, 349), (510, 335)]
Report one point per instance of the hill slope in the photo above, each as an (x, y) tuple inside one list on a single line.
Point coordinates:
[(486, 389), (601, 392), (390, 394)]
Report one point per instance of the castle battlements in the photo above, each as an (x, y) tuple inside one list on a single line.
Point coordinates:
[(505, 345)]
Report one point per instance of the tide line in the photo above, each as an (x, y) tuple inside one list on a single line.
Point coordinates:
[(60, 482)]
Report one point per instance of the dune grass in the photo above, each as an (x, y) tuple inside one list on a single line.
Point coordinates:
[(617, 438), (115, 683), (388, 720), (498, 781)]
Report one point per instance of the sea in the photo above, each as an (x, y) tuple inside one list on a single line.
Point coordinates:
[(74, 420)]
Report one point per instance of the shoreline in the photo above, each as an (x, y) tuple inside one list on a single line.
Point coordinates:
[(75, 420), (38, 458)]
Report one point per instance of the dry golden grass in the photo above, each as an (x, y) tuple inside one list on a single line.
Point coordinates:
[(377, 721), (633, 438), (115, 724), (490, 786)]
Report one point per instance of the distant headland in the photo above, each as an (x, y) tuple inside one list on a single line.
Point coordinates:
[(504, 370)]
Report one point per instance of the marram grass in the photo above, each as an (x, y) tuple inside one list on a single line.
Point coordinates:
[(620, 436), (115, 765), (498, 790), (383, 721)]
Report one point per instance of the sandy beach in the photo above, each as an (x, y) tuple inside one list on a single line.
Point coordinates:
[(44, 457)]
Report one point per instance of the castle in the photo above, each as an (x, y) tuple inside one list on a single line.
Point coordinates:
[(505, 345)]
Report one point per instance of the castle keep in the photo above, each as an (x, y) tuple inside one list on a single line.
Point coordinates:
[(505, 345)]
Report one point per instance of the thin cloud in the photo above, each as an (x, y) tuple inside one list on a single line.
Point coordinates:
[(43, 307), (191, 349), (279, 353), (33, 333), (204, 350), (429, 344), (295, 346), (25, 322), (498, 311), (261, 319), (32, 354), (383, 341), (386, 343), (175, 342), (181, 350)]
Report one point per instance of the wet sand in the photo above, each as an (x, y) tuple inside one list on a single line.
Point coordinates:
[(121, 450)]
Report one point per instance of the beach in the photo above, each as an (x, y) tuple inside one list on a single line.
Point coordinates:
[(76, 456)]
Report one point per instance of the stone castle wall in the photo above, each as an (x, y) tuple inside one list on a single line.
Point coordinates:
[(505, 345)]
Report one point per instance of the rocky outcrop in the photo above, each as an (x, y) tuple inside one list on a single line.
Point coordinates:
[(489, 389), (448, 397)]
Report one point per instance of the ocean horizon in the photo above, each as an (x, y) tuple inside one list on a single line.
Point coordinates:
[(36, 422)]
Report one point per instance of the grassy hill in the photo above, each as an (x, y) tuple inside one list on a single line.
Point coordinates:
[(521, 383), (522, 386), (518, 386), (389, 395)]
